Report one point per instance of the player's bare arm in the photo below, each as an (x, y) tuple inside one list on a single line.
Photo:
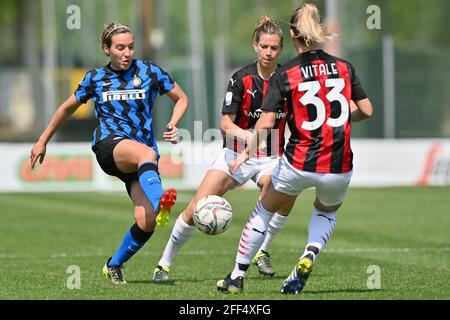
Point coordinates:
[(228, 127), (64, 111), (265, 123), (361, 110), (181, 100)]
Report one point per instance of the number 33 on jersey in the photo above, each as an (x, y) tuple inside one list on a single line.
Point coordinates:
[(318, 88)]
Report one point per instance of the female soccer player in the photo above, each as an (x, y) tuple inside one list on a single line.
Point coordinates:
[(318, 89), (241, 109), (124, 92)]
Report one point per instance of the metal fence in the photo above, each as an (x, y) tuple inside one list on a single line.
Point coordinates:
[(201, 42)]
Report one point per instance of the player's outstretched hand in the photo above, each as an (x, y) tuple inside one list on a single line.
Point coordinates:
[(171, 133), (241, 158), (38, 152)]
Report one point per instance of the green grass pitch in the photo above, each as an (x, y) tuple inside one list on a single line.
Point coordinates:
[(403, 231)]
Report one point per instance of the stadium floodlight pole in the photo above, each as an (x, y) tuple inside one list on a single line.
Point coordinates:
[(148, 14), (331, 14), (389, 86), (220, 58), (112, 11), (197, 62), (32, 62), (49, 59), (136, 19), (89, 41), (331, 10)]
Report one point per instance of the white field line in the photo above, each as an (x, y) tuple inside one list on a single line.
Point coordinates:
[(393, 250), (207, 252)]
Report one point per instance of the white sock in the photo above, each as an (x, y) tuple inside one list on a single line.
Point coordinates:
[(181, 233), (320, 228), (251, 238), (276, 224)]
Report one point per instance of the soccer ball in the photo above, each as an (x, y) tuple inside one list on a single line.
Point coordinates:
[(213, 214)]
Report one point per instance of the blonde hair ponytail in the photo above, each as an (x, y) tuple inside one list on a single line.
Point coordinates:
[(305, 23)]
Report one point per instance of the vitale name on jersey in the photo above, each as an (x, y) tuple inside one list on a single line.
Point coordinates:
[(257, 113), (124, 95), (316, 70)]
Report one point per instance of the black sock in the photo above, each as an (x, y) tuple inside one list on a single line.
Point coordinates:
[(140, 235), (243, 267)]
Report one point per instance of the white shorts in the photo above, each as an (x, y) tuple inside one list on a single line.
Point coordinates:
[(330, 187), (253, 168)]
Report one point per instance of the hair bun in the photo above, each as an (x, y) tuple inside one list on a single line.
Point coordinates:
[(264, 20)]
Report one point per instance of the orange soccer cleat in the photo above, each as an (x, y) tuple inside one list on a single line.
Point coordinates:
[(166, 203)]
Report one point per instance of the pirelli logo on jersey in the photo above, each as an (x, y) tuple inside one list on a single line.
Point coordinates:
[(124, 95)]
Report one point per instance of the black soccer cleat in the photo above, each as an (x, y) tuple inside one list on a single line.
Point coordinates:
[(232, 286)]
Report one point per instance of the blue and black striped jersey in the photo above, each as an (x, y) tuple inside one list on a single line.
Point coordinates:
[(124, 100)]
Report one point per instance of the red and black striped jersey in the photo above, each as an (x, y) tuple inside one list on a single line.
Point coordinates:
[(244, 97), (318, 88)]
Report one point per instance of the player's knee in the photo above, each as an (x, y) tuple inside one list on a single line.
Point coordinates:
[(326, 208), (147, 155), (263, 182), (188, 214)]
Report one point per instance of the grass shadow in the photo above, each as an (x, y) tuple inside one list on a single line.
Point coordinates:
[(342, 291), (163, 283)]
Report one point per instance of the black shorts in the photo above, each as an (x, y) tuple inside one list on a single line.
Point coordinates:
[(104, 153)]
